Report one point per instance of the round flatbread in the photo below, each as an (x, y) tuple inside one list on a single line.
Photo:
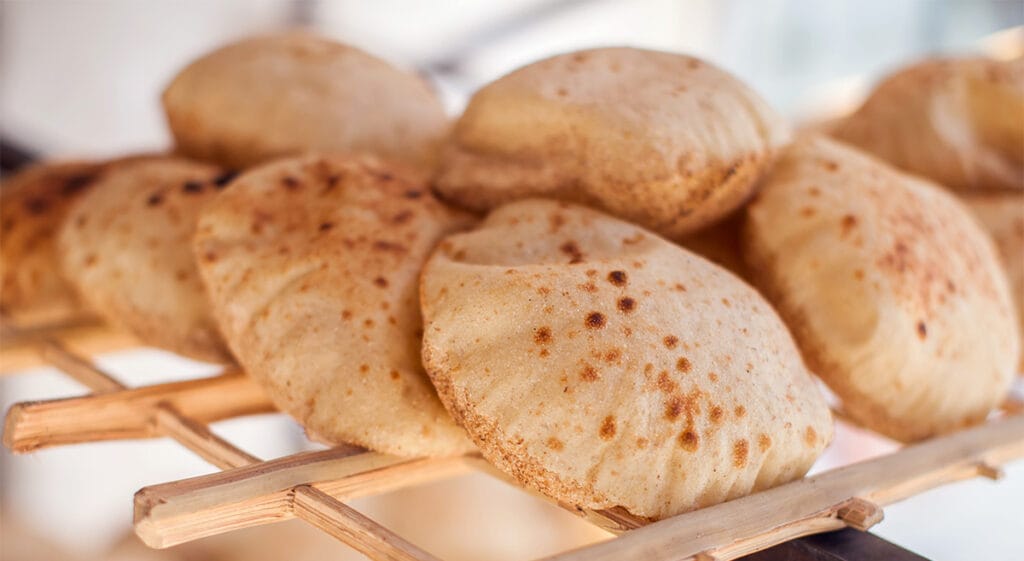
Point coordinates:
[(955, 121), (665, 140), (606, 367), (126, 245), (33, 204), (276, 95), (893, 292), (312, 265), (1002, 216)]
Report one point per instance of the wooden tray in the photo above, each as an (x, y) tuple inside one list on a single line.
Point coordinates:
[(313, 486)]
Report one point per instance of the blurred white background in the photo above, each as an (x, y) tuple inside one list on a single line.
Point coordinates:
[(83, 78)]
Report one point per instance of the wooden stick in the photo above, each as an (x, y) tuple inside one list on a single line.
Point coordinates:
[(350, 526), (181, 511), (136, 413), (317, 508), (812, 505), (19, 349)]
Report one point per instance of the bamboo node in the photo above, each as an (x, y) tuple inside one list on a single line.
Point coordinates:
[(990, 471), (860, 514)]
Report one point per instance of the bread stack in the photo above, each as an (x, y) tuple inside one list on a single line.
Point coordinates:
[(518, 282)]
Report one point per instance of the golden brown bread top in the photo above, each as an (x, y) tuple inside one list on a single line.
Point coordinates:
[(956, 121), (665, 140), (604, 366), (893, 292), (312, 265), (126, 246), (284, 94)]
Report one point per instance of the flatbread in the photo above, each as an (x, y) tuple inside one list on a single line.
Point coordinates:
[(33, 204), (1002, 216), (285, 94), (126, 245), (312, 265), (893, 292), (664, 140), (606, 367), (955, 121)]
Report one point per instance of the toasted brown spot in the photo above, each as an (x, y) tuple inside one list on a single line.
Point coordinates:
[(381, 282), (324, 226), (192, 187), (555, 444), (573, 251), (683, 364), (689, 440), (223, 179), (673, 407), (679, 287), (670, 341), (627, 305), (589, 287), (847, 224), (90, 260), (346, 314), (740, 449), (402, 217), (607, 431), (155, 199), (588, 374), (364, 368), (290, 183), (810, 436), (740, 411), (618, 278), (666, 383), (716, 415), (394, 375), (595, 320), (807, 211), (830, 165), (764, 442), (858, 274), (922, 330), (542, 335), (726, 303), (641, 442), (612, 355), (712, 376), (384, 245)]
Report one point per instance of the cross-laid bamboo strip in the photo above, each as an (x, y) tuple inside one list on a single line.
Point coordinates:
[(19, 348), (205, 506), (318, 508), (134, 413), (181, 511), (815, 504)]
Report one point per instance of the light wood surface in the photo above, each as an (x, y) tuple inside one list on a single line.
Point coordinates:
[(318, 508), (190, 509), (19, 349), (135, 413)]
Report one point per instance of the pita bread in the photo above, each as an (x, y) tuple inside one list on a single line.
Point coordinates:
[(1002, 216), (127, 247), (667, 141), (312, 265), (604, 366), (278, 95), (893, 292), (33, 204), (955, 121)]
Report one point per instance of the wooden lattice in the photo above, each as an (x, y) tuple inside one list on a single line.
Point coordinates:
[(313, 486)]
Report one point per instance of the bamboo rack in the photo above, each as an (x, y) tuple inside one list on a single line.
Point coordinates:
[(313, 486)]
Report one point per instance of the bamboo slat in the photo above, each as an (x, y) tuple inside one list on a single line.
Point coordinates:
[(815, 504)]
